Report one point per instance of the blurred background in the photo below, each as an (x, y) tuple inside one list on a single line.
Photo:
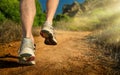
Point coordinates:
[(61, 4)]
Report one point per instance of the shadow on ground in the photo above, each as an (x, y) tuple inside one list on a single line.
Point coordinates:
[(6, 62)]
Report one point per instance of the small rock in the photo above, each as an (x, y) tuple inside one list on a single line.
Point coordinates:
[(10, 45)]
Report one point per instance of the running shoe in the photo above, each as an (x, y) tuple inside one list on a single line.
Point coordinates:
[(47, 32), (26, 52)]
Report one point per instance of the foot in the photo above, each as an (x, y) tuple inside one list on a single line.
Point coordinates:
[(26, 52), (47, 32)]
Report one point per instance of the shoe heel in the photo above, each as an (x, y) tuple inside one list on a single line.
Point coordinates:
[(44, 34)]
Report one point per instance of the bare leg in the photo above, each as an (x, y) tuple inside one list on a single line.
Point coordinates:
[(28, 11), (47, 30), (51, 9)]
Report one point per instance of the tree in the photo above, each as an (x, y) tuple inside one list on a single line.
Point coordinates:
[(10, 9)]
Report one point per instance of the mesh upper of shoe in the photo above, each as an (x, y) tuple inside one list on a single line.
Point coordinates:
[(47, 26), (27, 47)]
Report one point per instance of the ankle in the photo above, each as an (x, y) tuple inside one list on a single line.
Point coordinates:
[(49, 22), (30, 37)]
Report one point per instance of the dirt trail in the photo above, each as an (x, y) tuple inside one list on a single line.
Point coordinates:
[(72, 56)]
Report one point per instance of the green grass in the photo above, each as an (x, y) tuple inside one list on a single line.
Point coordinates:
[(77, 24)]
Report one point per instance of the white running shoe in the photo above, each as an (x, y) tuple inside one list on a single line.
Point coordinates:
[(47, 32), (26, 52)]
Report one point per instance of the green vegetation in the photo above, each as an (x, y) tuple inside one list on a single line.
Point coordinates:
[(9, 10), (2, 17)]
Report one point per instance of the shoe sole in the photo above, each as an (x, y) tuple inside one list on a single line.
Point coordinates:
[(49, 39), (27, 59)]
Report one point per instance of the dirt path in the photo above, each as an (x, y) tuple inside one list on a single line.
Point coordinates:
[(72, 56)]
